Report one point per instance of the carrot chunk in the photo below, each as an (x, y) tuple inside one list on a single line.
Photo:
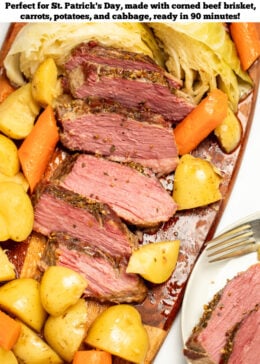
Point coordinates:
[(201, 121), (9, 331), (5, 88), (92, 357), (247, 42), (37, 148)]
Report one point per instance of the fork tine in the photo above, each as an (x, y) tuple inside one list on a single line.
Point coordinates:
[(236, 253), (226, 247), (235, 231), (224, 241)]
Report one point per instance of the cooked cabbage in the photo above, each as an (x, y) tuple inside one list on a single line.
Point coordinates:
[(204, 57), (36, 41)]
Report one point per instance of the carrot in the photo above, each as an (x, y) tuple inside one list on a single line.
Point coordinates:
[(9, 331), (13, 30), (92, 357), (246, 39), (201, 121), (5, 88), (37, 148)]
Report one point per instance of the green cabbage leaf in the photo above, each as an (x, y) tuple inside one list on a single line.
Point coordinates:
[(204, 57), (36, 41)]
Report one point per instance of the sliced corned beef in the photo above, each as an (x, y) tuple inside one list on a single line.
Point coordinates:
[(243, 342), (240, 295), (59, 210), (93, 52), (137, 198), (107, 279), (108, 129), (122, 82)]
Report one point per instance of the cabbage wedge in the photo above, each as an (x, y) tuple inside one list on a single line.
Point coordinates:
[(36, 42), (204, 57)]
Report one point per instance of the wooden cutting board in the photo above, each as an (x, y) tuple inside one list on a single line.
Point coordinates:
[(193, 227)]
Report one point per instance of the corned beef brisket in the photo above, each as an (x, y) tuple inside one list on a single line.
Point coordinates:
[(132, 80)]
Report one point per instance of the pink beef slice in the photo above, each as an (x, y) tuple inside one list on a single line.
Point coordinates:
[(137, 198), (107, 278), (120, 134), (240, 295), (59, 210), (127, 78), (244, 341)]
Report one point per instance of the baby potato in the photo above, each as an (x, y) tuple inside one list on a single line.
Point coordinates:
[(18, 112), (229, 132), (196, 183), (31, 349), (155, 262), (45, 85), (21, 297), (119, 330), (17, 210), (17, 178), (7, 357), (9, 161), (4, 232), (7, 269), (65, 333), (60, 288)]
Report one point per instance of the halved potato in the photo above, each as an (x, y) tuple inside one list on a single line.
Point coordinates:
[(155, 262), (229, 132), (65, 333), (18, 112), (9, 161), (120, 331), (17, 178), (196, 183), (60, 288), (7, 357), (45, 85), (21, 297), (7, 269), (31, 349), (16, 211)]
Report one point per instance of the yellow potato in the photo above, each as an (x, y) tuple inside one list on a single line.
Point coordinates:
[(65, 333), (196, 183), (229, 132), (7, 269), (119, 330), (4, 231), (45, 85), (155, 262), (9, 161), (17, 210), (31, 349), (7, 357), (18, 112), (17, 178), (21, 297), (60, 288)]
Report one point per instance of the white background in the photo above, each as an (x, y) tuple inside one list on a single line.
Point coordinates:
[(244, 200)]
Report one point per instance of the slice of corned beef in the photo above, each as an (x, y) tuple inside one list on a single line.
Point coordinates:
[(240, 295), (110, 130), (94, 52), (138, 198), (107, 279), (243, 342), (122, 81), (59, 210)]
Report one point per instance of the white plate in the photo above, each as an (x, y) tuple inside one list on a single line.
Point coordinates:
[(208, 278)]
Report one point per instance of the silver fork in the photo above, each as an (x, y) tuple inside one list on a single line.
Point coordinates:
[(241, 239)]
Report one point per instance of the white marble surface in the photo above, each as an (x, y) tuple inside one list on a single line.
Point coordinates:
[(245, 199)]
